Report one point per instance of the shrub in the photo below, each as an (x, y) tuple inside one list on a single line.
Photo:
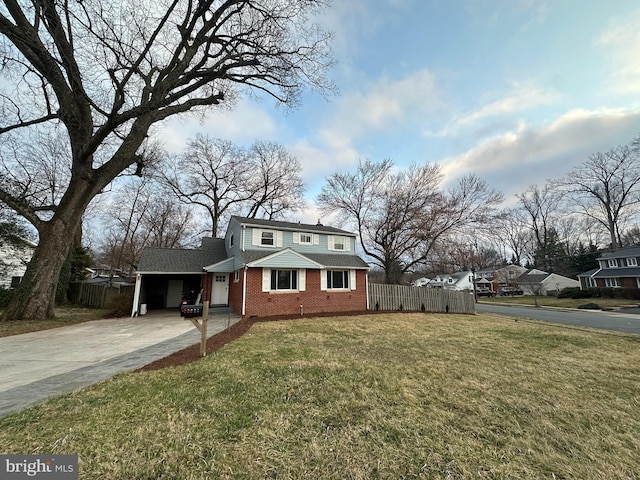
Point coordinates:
[(119, 305), (590, 306)]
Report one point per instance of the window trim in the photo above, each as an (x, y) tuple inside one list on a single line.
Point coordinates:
[(346, 279), (612, 282), (612, 263), (293, 280), (303, 236), (632, 262), (262, 238)]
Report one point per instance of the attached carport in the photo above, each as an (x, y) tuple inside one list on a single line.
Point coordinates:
[(166, 275)]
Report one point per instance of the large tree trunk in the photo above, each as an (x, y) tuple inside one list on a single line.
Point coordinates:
[(35, 297)]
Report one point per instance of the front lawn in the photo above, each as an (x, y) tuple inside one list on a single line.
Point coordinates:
[(376, 396)]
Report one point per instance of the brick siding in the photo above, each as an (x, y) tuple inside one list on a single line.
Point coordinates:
[(313, 300)]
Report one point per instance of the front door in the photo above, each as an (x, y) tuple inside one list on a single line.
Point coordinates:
[(220, 289)]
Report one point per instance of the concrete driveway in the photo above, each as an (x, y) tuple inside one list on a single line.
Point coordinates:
[(38, 365)]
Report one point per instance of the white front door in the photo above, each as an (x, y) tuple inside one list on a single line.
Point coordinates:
[(220, 289)]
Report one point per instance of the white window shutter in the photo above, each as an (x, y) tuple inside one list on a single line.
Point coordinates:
[(347, 244), (296, 237), (316, 239), (352, 279), (257, 234), (323, 279), (302, 279), (278, 239), (330, 241), (266, 279)]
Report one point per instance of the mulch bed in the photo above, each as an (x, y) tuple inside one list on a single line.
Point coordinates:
[(192, 353)]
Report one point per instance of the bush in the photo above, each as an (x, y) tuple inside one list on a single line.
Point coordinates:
[(575, 293), (590, 306), (119, 305)]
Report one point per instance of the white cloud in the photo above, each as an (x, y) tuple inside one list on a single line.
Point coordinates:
[(385, 104), (521, 98), (525, 156), (245, 123), (622, 45)]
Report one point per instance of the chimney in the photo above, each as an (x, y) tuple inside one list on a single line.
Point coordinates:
[(319, 224)]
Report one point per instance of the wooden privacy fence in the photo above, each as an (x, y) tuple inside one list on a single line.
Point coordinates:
[(419, 299), (95, 295)]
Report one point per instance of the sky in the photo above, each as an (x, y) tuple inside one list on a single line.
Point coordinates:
[(515, 91)]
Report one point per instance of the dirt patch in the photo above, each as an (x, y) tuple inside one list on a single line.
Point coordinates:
[(192, 353)]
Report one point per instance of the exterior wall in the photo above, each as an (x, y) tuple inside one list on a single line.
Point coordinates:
[(235, 291), (13, 261), (313, 300)]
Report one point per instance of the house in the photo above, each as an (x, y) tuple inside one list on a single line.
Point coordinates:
[(260, 268), (615, 269), (537, 282), (15, 254), (454, 281)]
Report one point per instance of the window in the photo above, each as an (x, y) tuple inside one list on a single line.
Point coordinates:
[(15, 281), (632, 262), (338, 279), (306, 238), (613, 263), (231, 241), (338, 243), (284, 279), (591, 282), (221, 278), (612, 282), (267, 238), (236, 277)]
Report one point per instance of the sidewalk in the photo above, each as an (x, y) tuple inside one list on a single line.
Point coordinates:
[(38, 365)]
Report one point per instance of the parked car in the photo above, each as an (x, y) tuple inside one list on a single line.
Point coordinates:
[(510, 291), (485, 292)]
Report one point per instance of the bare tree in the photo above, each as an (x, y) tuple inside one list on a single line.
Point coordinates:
[(140, 213), (224, 179), (606, 189), (275, 185), (401, 216), (513, 235), (101, 73), (542, 207)]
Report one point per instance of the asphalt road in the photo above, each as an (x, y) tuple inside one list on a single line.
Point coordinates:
[(627, 320)]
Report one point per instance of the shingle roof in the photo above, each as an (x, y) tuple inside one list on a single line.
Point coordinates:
[(532, 278), (326, 259), (290, 225), (618, 272), (632, 251), (182, 260), (589, 273)]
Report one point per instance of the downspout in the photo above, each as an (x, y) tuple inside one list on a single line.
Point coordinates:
[(136, 296), (244, 291), (366, 281)]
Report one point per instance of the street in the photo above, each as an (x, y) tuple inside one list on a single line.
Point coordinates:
[(622, 321)]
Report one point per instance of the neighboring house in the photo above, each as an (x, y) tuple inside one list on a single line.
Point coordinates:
[(15, 254), (105, 274), (421, 282), (455, 281), (616, 269), (261, 268), (506, 277), (537, 282)]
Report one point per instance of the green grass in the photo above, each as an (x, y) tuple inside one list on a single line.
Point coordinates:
[(545, 301), (67, 315), (376, 396)]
